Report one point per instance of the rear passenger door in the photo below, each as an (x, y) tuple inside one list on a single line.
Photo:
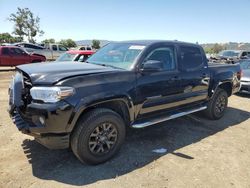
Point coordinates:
[(195, 74)]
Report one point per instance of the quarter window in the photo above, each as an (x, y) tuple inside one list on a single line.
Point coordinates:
[(191, 58)]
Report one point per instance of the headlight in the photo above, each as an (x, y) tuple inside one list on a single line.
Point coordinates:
[(51, 94)]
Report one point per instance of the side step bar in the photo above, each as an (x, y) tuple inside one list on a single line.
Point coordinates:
[(164, 118)]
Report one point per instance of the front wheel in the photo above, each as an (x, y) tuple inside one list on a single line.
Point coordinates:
[(98, 136), (217, 105)]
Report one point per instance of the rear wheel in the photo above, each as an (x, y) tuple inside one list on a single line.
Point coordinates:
[(217, 105), (98, 136)]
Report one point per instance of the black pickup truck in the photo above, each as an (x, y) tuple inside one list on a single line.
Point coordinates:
[(87, 106)]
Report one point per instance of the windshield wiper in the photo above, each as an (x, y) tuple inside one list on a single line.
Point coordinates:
[(104, 65)]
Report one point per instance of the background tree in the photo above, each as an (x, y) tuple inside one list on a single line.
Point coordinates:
[(69, 43), (7, 38), (95, 44), (47, 41), (217, 48), (26, 24)]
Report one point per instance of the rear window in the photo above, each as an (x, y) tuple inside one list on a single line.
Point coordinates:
[(5, 51), (191, 58)]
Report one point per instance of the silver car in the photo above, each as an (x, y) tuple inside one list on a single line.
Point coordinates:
[(245, 79)]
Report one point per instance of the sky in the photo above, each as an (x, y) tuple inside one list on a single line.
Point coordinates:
[(185, 20)]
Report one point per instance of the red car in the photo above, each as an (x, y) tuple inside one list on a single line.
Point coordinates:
[(13, 56), (75, 55)]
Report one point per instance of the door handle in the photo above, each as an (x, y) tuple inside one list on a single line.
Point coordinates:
[(175, 78)]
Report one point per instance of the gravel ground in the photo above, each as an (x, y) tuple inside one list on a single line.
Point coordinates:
[(200, 153)]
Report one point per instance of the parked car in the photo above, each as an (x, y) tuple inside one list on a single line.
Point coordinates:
[(75, 55), (50, 51), (245, 80), (29, 47), (85, 48), (231, 56), (13, 56), (87, 106)]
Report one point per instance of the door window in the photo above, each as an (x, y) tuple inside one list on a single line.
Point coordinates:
[(164, 55), (62, 48), (191, 58), (17, 51), (244, 54), (54, 47)]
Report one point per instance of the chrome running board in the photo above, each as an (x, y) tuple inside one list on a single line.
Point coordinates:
[(162, 118)]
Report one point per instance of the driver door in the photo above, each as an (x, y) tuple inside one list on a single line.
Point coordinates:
[(157, 91)]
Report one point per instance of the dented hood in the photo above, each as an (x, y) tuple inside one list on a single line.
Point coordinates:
[(49, 73)]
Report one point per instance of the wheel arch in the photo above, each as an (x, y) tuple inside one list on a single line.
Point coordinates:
[(121, 105), (226, 85)]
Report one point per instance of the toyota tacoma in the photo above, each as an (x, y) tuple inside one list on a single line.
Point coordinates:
[(88, 106)]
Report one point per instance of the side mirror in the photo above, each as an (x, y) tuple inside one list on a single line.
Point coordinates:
[(152, 66)]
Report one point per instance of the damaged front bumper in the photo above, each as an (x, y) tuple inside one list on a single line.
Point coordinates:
[(47, 122)]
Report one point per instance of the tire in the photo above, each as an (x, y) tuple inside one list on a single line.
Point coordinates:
[(98, 136), (36, 61), (217, 105)]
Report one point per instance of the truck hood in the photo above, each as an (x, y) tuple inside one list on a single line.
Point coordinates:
[(51, 72)]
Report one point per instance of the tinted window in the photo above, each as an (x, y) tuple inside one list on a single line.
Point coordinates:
[(82, 48), (164, 55), (191, 58), (88, 48), (54, 47), (5, 51), (33, 46), (244, 53), (16, 51)]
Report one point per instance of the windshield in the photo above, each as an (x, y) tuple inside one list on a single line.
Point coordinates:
[(227, 53), (120, 55), (245, 65), (66, 57)]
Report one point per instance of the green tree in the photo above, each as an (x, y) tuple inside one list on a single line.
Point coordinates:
[(217, 48), (26, 24), (7, 38), (95, 44), (47, 41), (208, 50), (69, 43)]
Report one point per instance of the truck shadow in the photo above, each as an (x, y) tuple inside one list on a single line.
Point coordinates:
[(62, 166)]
